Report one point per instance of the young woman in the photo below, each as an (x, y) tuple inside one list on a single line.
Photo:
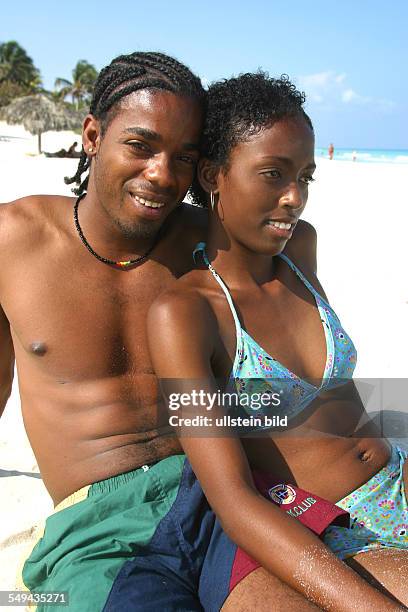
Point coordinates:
[(260, 318)]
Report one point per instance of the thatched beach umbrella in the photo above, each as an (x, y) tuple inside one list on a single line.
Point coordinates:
[(39, 114)]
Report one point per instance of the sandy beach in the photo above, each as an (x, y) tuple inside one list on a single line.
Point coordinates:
[(361, 214)]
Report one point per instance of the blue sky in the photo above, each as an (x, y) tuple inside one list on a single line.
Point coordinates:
[(350, 57)]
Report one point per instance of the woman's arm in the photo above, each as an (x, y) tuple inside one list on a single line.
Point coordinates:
[(182, 333)]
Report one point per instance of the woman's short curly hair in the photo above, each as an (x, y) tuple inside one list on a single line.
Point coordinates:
[(240, 107)]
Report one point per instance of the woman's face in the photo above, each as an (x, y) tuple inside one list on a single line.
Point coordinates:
[(264, 190)]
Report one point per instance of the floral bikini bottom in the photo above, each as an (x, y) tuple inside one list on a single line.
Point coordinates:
[(378, 511)]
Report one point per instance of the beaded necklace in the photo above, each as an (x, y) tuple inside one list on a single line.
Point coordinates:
[(110, 262)]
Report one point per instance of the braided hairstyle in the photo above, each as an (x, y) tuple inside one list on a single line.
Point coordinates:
[(239, 108), (129, 73)]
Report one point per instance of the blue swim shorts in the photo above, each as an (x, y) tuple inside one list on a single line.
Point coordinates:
[(145, 540)]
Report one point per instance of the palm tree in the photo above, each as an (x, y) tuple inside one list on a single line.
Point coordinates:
[(84, 76), (17, 67)]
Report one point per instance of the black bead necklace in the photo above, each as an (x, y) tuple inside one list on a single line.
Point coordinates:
[(109, 262)]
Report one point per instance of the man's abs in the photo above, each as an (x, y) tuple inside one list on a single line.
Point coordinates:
[(86, 432)]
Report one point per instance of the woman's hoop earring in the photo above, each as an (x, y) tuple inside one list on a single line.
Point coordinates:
[(220, 210), (212, 200)]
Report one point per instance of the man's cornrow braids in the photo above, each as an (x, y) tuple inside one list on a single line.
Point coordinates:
[(129, 73)]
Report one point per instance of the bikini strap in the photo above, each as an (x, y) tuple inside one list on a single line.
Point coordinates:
[(300, 274), (200, 250)]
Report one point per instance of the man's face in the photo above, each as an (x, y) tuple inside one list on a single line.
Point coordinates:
[(146, 159)]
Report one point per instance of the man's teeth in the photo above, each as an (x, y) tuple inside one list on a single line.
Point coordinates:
[(279, 225), (148, 203)]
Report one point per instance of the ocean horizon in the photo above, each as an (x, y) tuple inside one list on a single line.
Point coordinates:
[(393, 156)]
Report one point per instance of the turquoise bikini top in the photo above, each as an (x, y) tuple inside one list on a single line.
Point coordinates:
[(255, 371)]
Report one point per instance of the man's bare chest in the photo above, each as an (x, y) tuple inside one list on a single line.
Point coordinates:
[(83, 323)]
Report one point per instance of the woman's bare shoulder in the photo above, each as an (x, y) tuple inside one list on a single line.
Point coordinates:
[(184, 304), (302, 247)]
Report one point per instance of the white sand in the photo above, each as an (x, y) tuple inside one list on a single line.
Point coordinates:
[(24, 497), (361, 214)]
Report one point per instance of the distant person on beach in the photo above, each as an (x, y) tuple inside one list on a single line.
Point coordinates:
[(79, 276), (330, 150), (72, 148), (71, 152), (354, 156), (258, 319)]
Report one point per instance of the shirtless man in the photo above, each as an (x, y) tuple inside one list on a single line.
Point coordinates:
[(78, 278)]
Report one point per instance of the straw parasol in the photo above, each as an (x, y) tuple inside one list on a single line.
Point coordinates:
[(39, 114)]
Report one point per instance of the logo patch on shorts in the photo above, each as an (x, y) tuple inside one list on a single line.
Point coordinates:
[(282, 494)]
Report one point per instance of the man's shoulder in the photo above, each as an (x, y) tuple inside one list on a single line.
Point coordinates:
[(192, 217), (24, 220), (33, 206), (188, 226)]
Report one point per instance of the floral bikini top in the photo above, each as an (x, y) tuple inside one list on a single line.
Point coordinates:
[(255, 371)]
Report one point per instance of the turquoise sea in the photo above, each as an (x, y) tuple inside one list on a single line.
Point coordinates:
[(393, 156)]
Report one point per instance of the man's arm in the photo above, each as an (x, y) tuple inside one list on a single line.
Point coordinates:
[(8, 233), (6, 361), (181, 331)]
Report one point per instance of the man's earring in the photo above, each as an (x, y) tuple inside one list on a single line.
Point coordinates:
[(212, 200), (90, 149)]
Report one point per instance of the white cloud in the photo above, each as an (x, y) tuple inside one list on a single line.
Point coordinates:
[(386, 105), (315, 81), (316, 98), (331, 88), (348, 95)]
